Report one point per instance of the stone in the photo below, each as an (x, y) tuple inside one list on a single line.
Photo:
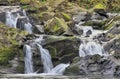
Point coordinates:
[(56, 26), (91, 65), (82, 16)]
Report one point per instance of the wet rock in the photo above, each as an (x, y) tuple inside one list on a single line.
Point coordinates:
[(82, 16), (83, 30), (101, 12), (3, 15), (38, 29), (95, 65)]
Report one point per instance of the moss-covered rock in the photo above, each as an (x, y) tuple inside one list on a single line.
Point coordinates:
[(56, 26), (62, 47)]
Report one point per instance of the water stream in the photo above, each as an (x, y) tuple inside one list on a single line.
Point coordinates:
[(28, 59), (12, 20), (48, 67)]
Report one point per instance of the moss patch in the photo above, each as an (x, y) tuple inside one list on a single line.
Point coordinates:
[(10, 39), (56, 26)]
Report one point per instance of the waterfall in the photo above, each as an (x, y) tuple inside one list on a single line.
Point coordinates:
[(47, 62), (28, 59), (28, 27), (90, 48), (46, 59), (12, 20)]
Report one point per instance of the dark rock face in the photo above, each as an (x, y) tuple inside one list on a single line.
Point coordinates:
[(95, 65), (3, 15), (65, 48)]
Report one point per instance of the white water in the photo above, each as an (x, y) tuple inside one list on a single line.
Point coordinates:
[(58, 70), (91, 48), (28, 27), (46, 59), (12, 17), (28, 59), (47, 62)]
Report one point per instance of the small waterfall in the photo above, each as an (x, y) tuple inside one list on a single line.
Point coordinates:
[(28, 27), (46, 59), (90, 48), (28, 59), (47, 62), (12, 20)]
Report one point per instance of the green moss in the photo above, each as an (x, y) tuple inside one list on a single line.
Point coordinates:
[(25, 1), (56, 26), (100, 6), (6, 54), (73, 70), (66, 17), (52, 51), (9, 43)]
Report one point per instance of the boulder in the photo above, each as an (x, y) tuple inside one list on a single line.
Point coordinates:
[(94, 65), (56, 26), (62, 47)]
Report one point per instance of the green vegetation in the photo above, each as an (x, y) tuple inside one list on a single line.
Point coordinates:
[(9, 43)]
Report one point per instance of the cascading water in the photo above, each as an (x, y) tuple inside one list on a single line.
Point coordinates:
[(90, 48), (12, 20), (47, 62), (28, 59), (46, 59)]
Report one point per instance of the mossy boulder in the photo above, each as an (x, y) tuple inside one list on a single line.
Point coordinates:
[(56, 26), (62, 47)]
